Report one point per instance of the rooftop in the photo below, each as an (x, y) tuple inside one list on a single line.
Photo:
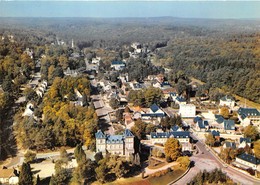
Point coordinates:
[(245, 112), (118, 63), (6, 173), (230, 144), (229, 124), (247, 140), (154, 107), (181, 134), (219, 118), (249, 158)]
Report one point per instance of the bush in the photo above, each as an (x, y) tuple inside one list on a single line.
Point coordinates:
[(30, 156)]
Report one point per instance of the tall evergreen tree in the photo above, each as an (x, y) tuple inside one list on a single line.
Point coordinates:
[(26, 177)]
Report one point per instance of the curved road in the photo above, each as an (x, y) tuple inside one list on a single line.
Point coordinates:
[(205, 160)]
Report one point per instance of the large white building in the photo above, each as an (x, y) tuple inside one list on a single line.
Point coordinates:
[(187, 110), (115, 144), (227, 101), (246, 161), (249, 116)]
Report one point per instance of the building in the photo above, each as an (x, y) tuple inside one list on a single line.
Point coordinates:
[(229, 126), (115, 144), (228, 144), (216, 134), (8, 176), (180, 100), (118, 65), (202, 125), (243, 142), (249, 115), (247, 161), (227, 101), (154, 112), (187, 110), (182, 136)]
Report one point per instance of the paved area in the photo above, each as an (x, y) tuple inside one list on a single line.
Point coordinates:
[(208, 161)]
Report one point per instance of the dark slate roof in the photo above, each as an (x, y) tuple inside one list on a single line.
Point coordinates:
[(175, 128), (173, 94), (247, 140), (118, 63), (230, 144), (153, 115), (200, 124), (215, 133), (128, 133), (249, 158), (137, 86), (229, 125), (115, 139), (196, 119), (219, 119), (181, 134), (100, 135), (154, 107), (181, 99), (203, 123), (245, 112)]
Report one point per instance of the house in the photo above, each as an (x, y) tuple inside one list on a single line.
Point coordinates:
[(229, 126), (196, 119), (136, 85), (80, 99), (180, 100), (216, 134), (247, 161), (8, 176), (182, 136), (219, 121), (244, 141), (115, 144), (187, 110), (227, 101), (202, 125), (28, 110), (154, 112), (249, 115), (176, 128), (229, 144), (129, 122), (118, 65)]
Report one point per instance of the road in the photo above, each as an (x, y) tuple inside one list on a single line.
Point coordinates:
[(208, 161)]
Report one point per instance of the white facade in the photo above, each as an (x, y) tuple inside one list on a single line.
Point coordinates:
[(187, 110)]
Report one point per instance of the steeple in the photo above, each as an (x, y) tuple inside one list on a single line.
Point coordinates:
[(72, 44)]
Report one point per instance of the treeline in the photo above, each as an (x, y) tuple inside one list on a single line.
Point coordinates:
[(230, 61), (59, 122)]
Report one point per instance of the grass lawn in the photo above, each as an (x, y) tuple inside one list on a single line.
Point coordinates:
[(130, 181), (248, 102), (169, 177)]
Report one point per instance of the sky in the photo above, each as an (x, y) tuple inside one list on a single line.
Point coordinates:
[(136, 8)]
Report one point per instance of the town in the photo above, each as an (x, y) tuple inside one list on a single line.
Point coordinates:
[(127, 118)]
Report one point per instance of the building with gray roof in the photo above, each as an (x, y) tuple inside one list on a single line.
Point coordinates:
[(115, 144)]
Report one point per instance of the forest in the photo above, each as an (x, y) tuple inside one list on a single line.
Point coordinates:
[(222, 53)]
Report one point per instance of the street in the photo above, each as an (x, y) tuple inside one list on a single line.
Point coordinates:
[(205, 160)]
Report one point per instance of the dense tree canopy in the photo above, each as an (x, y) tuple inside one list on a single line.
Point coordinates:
[(145, 97), (172, 149)]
